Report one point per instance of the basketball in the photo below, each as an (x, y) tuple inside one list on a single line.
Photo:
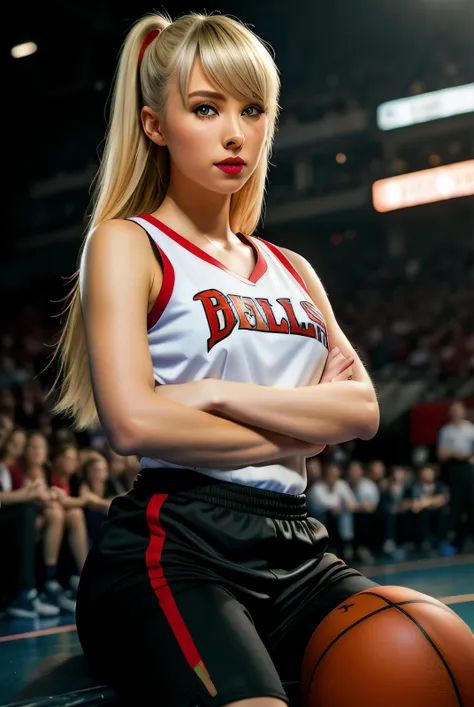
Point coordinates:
[(389, 646)]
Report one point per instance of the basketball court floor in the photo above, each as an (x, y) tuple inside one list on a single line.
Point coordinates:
[(41, 662)]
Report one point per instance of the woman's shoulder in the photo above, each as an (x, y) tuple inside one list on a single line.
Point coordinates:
[(118, 243), (115, 232)]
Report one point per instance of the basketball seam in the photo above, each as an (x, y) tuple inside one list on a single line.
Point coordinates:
[(346, 630), (438, 604), (436, 649), (394, 605)]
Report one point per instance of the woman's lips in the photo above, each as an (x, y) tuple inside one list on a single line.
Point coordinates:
[(230, 168)]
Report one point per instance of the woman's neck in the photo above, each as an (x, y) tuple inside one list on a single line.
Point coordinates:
[(33, 470), (196, 211)]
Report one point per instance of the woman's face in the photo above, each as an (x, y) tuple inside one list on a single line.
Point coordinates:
[(211, 128), (98, 471), (16, 445), (68, 461), (36, 451)]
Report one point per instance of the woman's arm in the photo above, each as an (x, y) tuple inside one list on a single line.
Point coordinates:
[(67, 501), (94, 501), (114, 299), (35, 492), (326, 413), (12, 498)]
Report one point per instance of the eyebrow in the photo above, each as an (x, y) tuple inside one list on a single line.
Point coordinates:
[(208, 94)]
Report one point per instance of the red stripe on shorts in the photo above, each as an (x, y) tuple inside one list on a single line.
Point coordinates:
[(163, 591)]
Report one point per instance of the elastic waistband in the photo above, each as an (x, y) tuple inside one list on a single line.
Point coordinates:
[(238, 497)]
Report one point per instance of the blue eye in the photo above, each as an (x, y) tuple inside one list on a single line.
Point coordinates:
[(199, 108), (258, 110)]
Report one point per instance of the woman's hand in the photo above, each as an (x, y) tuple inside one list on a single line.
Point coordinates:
[(60, 494), (38, 493), (338, 367), (195, 394)]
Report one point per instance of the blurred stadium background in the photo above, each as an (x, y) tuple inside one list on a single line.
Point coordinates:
[(372, 181)]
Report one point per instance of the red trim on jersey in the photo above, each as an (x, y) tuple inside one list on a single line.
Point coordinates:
[(165, 293), (260, 265), (163, 592), (287, 263)]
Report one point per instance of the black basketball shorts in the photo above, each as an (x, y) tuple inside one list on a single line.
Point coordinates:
[(200, 593)]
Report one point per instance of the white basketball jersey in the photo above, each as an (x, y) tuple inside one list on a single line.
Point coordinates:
[(210, 322)]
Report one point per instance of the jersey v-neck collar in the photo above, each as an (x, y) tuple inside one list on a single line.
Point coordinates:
[(258, 271)]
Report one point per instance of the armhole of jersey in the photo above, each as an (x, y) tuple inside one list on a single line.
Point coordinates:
[(167, 286), (286, 264)]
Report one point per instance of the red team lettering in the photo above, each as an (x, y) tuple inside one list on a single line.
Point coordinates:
[(225, 312)]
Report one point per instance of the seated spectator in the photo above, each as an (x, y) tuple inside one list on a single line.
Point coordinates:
[(428, 498), (63, 466), (50, 519), (377, 472), (11, 451), (368, 496), (332, 502), (94, 480), (17, 537), (395, 508)]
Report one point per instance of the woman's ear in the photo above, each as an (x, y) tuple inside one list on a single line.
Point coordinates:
[(153, 126)]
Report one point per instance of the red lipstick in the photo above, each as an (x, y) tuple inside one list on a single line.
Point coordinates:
[(231, 165)]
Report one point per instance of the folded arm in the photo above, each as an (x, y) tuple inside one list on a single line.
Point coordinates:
[(326, 413)]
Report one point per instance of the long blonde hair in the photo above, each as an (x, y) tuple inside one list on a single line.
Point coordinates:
[(134, 173)]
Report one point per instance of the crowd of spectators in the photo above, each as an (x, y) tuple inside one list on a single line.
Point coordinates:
[(371, 511), (55, 496), (409, 316)]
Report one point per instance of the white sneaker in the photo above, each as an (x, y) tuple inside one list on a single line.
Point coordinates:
[(43, 607), (54, 594)]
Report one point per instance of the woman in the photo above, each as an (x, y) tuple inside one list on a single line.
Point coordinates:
[(202, 348), (20, 505), (63, 467), (10, 453), (50, 518)]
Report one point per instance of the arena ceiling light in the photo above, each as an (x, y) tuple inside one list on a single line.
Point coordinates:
[(439, 184), (434, 105), (22, 50)]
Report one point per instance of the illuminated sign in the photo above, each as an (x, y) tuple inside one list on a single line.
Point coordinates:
[(426, 106), (428, 186)]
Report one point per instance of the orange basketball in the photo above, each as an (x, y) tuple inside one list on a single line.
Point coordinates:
[(389, 647)]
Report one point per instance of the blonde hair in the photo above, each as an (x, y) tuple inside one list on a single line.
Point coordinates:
[(134, 173)]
